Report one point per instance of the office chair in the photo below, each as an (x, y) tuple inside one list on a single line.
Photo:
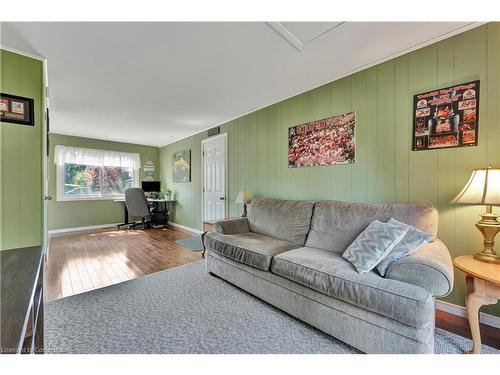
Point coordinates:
[(138, 205)]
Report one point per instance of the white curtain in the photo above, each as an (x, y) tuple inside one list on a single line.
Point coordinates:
[(100, 158), (121, 159)]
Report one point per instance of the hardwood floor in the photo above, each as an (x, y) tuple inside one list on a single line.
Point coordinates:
[(85, 261), (460, 325)]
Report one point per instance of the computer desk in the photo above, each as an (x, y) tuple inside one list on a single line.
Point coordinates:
[(165, 202)]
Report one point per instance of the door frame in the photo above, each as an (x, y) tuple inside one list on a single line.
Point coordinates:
[(226, 179), (45, 158)]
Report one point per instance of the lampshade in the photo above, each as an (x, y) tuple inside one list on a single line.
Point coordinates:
[(483, 187), (243, 197)]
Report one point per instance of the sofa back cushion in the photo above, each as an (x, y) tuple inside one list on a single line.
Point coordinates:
[(335, 225), (283, 219)]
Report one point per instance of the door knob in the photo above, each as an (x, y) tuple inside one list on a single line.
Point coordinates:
[(48, 198), (222, 198)]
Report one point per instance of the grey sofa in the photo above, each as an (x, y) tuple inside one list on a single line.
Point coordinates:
[(289, 254)]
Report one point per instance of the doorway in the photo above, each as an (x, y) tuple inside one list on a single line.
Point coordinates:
[(214, 179)]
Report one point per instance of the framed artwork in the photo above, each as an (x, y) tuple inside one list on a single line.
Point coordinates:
[(323, 142), (149, 170), (181, 166), (448, 117), (16, 110)]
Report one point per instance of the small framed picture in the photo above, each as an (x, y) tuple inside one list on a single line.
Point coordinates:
[(16, 110)]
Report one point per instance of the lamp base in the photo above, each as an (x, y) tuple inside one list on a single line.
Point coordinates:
[(487, 258), (244, 210), (489, 227)]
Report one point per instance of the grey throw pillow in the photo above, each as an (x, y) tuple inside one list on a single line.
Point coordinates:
[(412, 240), (373, 244)]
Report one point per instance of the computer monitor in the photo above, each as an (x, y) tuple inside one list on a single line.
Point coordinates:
[(151, 186)]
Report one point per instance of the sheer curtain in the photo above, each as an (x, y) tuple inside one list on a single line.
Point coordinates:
[(120, 159), (94, 157)]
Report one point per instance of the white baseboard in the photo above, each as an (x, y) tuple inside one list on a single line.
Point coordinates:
[(81, 229), (103, 226), (189, 229), (490, 320)]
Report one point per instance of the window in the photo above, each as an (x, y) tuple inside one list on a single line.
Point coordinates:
[(81, 180), (94, 174)]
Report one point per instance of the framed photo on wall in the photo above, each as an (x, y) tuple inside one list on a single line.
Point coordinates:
[(181, 166), (447, 117), (323, 142), (16, 110)]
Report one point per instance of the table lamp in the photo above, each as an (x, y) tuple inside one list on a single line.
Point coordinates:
[(483, 187), (244, 197)]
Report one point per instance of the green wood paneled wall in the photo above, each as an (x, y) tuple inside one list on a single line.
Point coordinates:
[(386, 170), (75, 214), (21, 219)]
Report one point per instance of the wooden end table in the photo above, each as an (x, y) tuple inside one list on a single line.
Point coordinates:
[(483, 288), (208, 226)]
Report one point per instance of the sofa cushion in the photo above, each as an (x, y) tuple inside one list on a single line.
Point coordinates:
[(330, 274), (253, 249), (283, 219), (335, 225)]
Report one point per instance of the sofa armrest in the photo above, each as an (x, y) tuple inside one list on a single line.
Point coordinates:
[(429, 267), (232, 226)]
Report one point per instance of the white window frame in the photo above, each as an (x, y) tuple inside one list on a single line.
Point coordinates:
[(64, 198)]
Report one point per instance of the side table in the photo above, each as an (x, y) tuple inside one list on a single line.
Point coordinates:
[(483, 288), (208, 226)]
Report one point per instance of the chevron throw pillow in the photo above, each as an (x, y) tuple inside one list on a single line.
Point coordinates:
[(412, 240), (373, 244)]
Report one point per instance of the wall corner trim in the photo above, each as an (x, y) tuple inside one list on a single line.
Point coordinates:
[(22, 53)]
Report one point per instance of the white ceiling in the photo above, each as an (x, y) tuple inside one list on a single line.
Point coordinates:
[(155, 83)]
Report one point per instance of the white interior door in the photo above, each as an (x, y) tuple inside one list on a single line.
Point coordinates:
[(214, 178)]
